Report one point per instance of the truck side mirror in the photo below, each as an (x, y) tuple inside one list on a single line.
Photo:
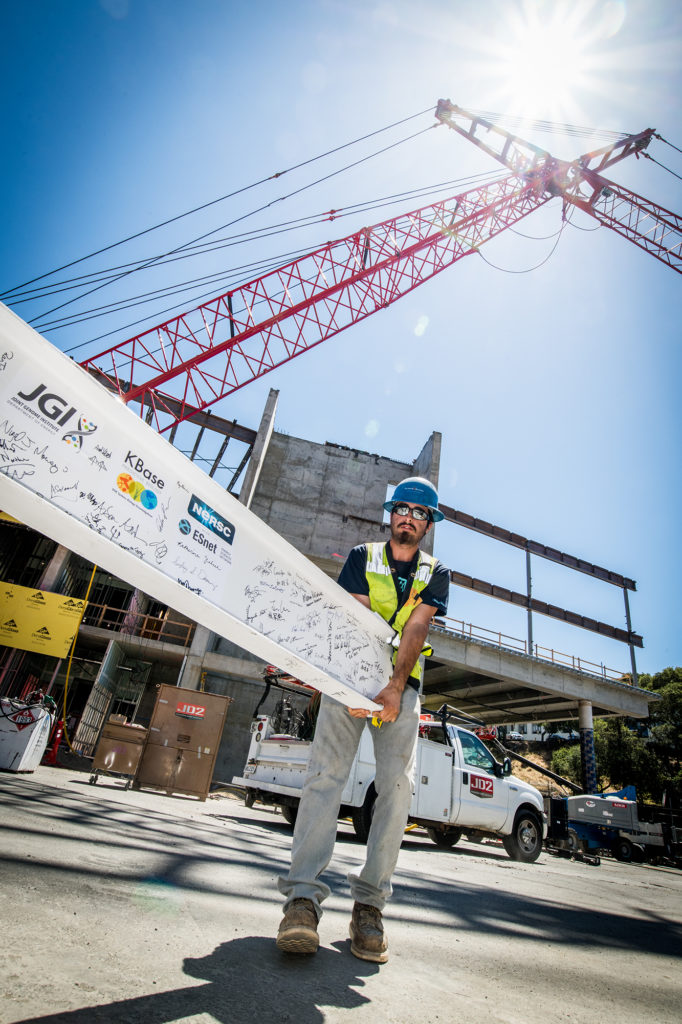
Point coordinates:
[(506, 766)]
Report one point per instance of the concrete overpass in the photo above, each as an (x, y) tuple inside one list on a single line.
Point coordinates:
[(498, 684)]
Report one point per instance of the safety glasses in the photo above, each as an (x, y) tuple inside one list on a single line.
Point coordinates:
[(417, 513)]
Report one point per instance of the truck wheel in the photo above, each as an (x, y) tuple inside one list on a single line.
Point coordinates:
[(623, 849), (289, 813), (362, 816), (525, 841), (573, 843), (444, 838), (249, 798)]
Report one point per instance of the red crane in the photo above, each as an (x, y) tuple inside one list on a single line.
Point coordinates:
[(190, 362)]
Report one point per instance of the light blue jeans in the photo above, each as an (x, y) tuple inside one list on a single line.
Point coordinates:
[(337, 736)]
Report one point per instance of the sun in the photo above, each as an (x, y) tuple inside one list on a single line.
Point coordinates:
[(545, 67), (545, 59)]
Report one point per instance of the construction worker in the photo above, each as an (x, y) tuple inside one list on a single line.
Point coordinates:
[(407, 588)]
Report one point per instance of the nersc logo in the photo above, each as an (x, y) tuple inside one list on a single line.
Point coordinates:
[(210, 519)]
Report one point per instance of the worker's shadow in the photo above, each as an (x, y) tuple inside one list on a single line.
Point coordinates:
[(246, 979)]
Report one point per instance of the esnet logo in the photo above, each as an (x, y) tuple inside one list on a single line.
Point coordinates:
[(481, 785)]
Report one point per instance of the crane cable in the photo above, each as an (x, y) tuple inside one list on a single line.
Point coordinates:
[(106, 275), (528, 270), (156, 259), (648, 156), (220, 199), (259, 267), (661, 139)]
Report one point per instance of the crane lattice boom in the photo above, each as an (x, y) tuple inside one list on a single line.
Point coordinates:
[(192, 361), (217, 348)]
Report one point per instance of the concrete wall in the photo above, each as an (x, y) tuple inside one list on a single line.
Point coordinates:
[(326, 498)]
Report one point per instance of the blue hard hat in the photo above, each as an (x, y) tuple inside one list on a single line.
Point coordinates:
[(418, 491)]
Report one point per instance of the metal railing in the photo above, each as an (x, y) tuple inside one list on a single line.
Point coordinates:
[(513, 643), (151, 627), (175, 631)]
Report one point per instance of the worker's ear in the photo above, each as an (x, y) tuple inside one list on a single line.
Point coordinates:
[(429, 526)]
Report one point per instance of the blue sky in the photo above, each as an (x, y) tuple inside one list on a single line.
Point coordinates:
[(555, 388)]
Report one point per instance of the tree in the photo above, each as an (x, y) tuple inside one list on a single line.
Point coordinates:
[(666, 726), (652, 762)]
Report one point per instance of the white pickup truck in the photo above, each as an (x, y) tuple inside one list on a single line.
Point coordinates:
[(459, 786)]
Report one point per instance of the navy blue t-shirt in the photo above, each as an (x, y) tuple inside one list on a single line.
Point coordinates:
[(353, 578)]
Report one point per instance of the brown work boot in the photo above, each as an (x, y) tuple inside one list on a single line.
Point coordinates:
[(298, 928), (367, 939)]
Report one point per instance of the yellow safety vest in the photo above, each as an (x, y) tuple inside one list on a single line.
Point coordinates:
[(383, 597)]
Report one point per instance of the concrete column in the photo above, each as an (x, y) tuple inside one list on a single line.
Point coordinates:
[(260, 447), (136, 608), (54, 569), (588, 760), (190, 673), (427, 464)]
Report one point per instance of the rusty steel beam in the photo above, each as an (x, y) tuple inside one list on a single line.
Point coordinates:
[(460, 579), (535, 548)]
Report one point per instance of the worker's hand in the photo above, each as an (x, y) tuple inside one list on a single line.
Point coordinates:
[(389, 697), (359, 712)]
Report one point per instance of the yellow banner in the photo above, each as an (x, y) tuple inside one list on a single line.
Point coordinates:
[(36, 620)]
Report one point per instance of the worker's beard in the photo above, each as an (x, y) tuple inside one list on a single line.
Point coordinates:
[(404, 535)]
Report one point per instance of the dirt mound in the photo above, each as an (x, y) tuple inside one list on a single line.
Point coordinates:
[(542, 757)]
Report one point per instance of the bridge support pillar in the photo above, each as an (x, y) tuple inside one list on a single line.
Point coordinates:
[(588, 760)]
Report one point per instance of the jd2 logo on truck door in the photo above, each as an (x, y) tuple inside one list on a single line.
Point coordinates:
[(481, 785)]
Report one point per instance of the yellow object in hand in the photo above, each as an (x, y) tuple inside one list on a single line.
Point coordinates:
[(376, 721)]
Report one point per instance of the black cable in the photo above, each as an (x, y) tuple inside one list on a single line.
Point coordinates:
[(579, 228), (220, 199), (257, 234), (261, 267), (529, 270), (237, 220), (153, 316), (275, 263), (653, 160), (534, 238), (668, 143)]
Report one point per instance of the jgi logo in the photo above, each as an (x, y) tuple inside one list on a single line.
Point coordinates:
[(57, 410), (51, 405)]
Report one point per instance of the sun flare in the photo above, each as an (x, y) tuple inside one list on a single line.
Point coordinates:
[(545, 60), (546, 66)]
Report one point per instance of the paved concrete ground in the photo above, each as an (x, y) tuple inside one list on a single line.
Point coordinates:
[(134, 907)]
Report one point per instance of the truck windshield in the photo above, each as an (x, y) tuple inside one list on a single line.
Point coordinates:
[(475, 754)]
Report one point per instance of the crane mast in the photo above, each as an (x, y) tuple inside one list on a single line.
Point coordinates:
[(193, 360)]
